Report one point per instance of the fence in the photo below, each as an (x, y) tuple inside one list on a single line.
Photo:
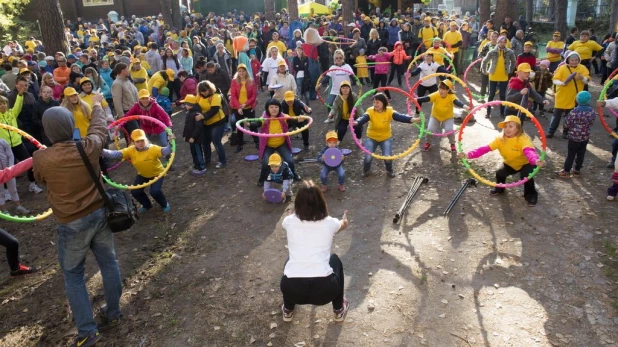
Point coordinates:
[(585, 10)]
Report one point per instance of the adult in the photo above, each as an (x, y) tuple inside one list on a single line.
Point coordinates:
[(158, 81), (186, 61), (373, 45), (337, 77), (382, 34), (393, 33), (270, 65), (572, 37), (154, 58), (312, 275), (282, 82), (189, 85), (44, 102), (486, 29), (199, 49), (455, 40), (408, 38), (498, 64), (509, 27), (79, 109), (147, 106), (586, 48), (212, 114), (98, 83), (219, 78), (87, 94), (427, 33), (365, 28), (243, 99), (124, 94), (9, 77), (223, 58), (311, 49), (80, 212), (517, 43), (356, 47), (139, 75), (554, 49), (170, 62)]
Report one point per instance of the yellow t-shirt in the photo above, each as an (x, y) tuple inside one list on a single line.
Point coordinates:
[(554, 57), (345, 110), (274, 127), (452, 37), (512, 149), (82, 121), (242, 94), (146, 162), (291, 112), (141, 73), (280, 45), (427, 33), (565, 95), (442, 108), (499, 74), (88, 99), (145, 64), (585, 49), (379, 128), (207, 103), (30, 45), (483, 45), (156, 81), (94, 39), (437, 54)]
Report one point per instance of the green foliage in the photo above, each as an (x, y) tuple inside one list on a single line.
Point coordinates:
[(9, 10), (20, 31)]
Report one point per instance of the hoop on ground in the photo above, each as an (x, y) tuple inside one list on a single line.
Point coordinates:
[(536, 123), (318, 82), (286, 118)]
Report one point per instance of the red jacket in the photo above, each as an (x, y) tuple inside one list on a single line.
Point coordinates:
[(153, 110), (256, 67), (189, 86), (399, 54), (527, 58), (251, 94)]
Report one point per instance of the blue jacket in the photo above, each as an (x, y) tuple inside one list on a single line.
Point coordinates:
[(393, 34), (105, 74)]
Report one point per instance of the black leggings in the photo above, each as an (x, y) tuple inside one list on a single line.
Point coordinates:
[(20, 152), (399, 69), (381, 79), (315, 290), (246, 113), (12, 249), (295, 124), (342, 129), (505, 171)]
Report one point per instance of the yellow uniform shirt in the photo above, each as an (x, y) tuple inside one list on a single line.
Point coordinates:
[(291, 112), (145, 64), (146, 162), (554, 57), (565, 95), (379, 128), (274, 127), (437, 54), (242, 94), (88, 99), (512, 149), (82, 121), (156, 81), (141, 73), (279, 44), (229, 45), (427, 33), (452, 37), (207, 103), (483, 43), (345, 110), (94, 39), (585, 49), (499, 74), (30, 45), (362, 71), (442, 108)]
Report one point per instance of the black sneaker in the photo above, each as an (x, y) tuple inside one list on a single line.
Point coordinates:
[(532, 201), (105, 322), (260, 183), (610, 165), (23, 270), (87, 341), (549, 135), (365, 173), (390, 174), (297, 178), (496, 191)]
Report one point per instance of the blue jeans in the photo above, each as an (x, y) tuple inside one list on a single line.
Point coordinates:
[(299, 87), (331, 99), (213, 134), (492, 93), (159, 139), (387, 149), (198, 156), (554, 123), (314, 73), (327, 169), (614, 150), (155, 191), (74, 240), (285, 154)]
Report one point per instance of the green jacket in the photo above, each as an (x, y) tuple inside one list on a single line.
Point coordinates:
[(10, 118), (337, 108)]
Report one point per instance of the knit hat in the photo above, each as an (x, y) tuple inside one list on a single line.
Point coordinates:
[(583, 98), (58, 123), (164, 91), (545, 62)]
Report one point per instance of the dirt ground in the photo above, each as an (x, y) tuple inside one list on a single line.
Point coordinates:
[(494, 273)]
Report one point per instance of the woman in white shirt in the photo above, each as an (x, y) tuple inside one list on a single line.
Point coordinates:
[(337, 77), (312, 275), (270, 66)]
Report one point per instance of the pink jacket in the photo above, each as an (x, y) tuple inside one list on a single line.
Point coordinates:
[(152, 110), (57, 91), (381, 69), (265, 130), (189, 86), (251, 94)]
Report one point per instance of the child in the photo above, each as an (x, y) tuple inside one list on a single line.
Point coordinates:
[(331, 142), (381, 70), (289, 59), (279, 173), (379, 131), (294, 107), (442, 112), (192, 133), (398, 66), (519, 90), (164, 101), (7, 160), (256, 67), (362, 71), (518, 153), (145, 158), (578, 123), (426, 68), (542, 82), (526, 56)]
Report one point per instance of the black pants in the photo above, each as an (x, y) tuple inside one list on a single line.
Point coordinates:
[(422, 90), (399, 69), (587, 64), (12, 249), (381, 79), (174, 86), (484, 83), (21, 153), (541, 106), (324, 64), (575, 152), (595, 64), (316, 290), (342, 129), (246, 113), (295, 124), (506, 171)]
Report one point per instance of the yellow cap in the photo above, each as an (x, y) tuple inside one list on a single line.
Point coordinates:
[(288, 96), (23, 70), (138, 135), (448, 83), (274, 159), (453, 23), (515, 119), (70, 91), (242, 66), (345, 83), (524, 67), (528, 43), (110, 54), (282, 63), (84, 80), (331, 135), (170, 73), (143, 93), (136, 61), (189, 98), (503, 31)]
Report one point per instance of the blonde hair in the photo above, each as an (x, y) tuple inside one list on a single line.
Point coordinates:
[(249, 77), (339, 52), (372, 32), (48, 75), (86, 110), (520, 132)]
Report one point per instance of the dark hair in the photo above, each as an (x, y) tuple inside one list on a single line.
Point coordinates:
[(490, 21), (7, 67), (21, 78), (183, 73), (201, 63), (271, 102), (210, 65), (381, 98), (573, 30), (309, 204), (117, 69), (206, 86), (154, 46)]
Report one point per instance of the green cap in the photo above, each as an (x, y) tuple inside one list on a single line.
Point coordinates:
[(165, 91)]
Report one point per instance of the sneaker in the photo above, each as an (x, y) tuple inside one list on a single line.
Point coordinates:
[(542, 114), (7, 196), (496, 191), (220, 166), (390, 174), (142, 209), (297, 178), (109, 323), (577, 173), (549, 135), (426, 146), (90, 340), (23, 270), (341, 188), (197, 172), (609, 165), (324, 189), (22, 210), (167, 208), (532, 201), (340, 314), (287, 314), (365, 173), (306, 148), (453, 149), (34, 188), (488, 115), (260, 183), (611, 198), (329, 120), (563, 174), (565, 136)]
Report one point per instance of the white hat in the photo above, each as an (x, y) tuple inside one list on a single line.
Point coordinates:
[(352, 25)]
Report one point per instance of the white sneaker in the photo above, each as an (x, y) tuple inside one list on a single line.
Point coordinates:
[(611, 198), (22, 210), (7, 196), (329, 120), (34, 188)]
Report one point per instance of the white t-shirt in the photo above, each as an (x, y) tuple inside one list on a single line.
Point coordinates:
[(309, 244), (270, 65), (339, 76), (427, 70)]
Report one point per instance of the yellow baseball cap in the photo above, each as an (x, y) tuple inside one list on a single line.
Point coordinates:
[(138, 135), (190, 99), (345, 83), (70, 91), (170, 73), (288, 96), (448, 83), (515, 119), (143, 93), (242, 66), (282, 63), (528, 43), (524, 67), (84, 80), (274, 159), (24, 70), (331, 135)]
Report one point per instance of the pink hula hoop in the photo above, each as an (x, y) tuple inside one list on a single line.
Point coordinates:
[(289, 133), (465, 75)]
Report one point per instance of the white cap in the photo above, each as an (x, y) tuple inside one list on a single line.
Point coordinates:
[(352, 25)]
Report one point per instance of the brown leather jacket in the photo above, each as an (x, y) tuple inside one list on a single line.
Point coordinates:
[(70, 190)]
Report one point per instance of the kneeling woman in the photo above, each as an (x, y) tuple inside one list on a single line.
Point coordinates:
[(145, 158), (312, 275)]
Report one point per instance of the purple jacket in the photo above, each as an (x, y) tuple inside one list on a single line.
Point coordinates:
[(265, 130)]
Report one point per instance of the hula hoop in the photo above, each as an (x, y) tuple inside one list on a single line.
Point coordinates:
[(116, 142), (351, 73), (371, 65), (600, 109), (289, 133), (38, 145), (349, 41), (408, 76), (381, 157), (459, 80), (606, 86), (465, 76), (538, 126), (444, 43), (165, 169)]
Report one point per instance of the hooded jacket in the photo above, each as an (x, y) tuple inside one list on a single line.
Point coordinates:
[(513, 94), (399, 54), (219, 78), (152, 110), (189, 86), (566, 87), (393, 32), (381, 69), (488, 65)]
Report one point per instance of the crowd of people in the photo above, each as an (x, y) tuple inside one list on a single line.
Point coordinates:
[(214, 67)]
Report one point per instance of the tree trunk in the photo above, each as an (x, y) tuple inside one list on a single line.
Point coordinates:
[(269, 9), (505, 8), (348, 14), (293, 9), (51, 21), (551, 10), (529, 12), (176, 15), (614, 18), (166, 8), (560, 16), (484, 11)]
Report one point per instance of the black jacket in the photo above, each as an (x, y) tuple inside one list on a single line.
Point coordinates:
[(26, 120), (193, 128), (383, 34), (39, 109), (298, 107), (220, 79), (373, 46), (302, 65)]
